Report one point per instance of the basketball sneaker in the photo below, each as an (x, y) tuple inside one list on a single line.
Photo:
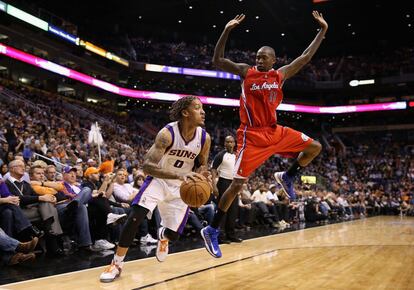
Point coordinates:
[(148, 239), (111, 272), (210, 237), (286, 182), (162, 247)]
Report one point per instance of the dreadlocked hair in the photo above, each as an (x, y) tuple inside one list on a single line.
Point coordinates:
[(180, 105)]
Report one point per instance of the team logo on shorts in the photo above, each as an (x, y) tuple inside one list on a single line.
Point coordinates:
[(304, 137)]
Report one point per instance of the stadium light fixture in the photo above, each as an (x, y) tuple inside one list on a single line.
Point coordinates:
[(26, 17), (3, 6), (355, 83)]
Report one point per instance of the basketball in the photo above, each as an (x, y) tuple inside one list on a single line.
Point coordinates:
[(195, 193)]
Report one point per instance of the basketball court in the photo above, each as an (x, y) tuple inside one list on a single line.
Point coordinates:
[(373, 253)]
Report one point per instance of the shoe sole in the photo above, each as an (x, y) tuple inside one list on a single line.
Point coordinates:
[(206, 245), (281, 184), (158, 259), (109, 280)]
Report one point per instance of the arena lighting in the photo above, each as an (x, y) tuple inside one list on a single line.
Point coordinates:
[(26, 17), (13, 11), (64, 35), (92, 47), (61, 70), (308, 179), (191, 71), (3, 6), (113, 57), (355, 83), (411, 104)]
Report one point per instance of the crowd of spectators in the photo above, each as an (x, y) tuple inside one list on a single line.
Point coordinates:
[(320, 69), (53, 186)]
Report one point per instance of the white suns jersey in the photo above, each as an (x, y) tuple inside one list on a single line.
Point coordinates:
[(180, 156)]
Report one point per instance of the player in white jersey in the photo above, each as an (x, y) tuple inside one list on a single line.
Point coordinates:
[(178, 148)]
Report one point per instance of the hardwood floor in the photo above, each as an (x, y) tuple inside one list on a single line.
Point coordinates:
[(373, 253)]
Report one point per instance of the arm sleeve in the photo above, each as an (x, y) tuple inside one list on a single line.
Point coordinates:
[(42, 190), (4, 190), (28, 199), (218, 159)]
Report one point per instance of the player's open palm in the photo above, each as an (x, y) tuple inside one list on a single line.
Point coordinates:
[(319, 17), (234, 22)]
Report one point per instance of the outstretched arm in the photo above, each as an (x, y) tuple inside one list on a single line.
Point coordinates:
[(296, 65), (218, 58)]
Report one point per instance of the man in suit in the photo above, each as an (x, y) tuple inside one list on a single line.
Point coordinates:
[(34, 206), (12, 219)]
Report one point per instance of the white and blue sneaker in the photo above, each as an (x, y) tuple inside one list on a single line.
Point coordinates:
[(286, 182), (210, 237)]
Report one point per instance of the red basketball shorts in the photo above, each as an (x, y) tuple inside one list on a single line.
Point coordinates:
[(256, 145)]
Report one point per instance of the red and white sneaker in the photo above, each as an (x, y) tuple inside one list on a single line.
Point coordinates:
[(162, 247), (111, 272)]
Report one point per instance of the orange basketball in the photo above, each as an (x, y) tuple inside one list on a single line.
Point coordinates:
[(195, 194)]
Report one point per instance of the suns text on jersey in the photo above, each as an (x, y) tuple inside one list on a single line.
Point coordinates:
[(182, 153)]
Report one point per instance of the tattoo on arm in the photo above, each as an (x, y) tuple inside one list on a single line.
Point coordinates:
[(154, 155)]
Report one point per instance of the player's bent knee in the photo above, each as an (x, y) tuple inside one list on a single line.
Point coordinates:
[(136, 215), (317, 147), (314, 148), (137, 211)]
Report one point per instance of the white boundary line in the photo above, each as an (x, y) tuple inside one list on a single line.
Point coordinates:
[(193, 250)]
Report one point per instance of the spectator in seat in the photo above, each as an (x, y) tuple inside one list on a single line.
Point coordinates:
[(72, 209), (50, 173), (12, 219), (99, 208), (124, 192), (43, 187), (34, 206), (265, 207)]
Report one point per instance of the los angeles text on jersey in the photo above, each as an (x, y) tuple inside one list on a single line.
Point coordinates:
[(182, 153), (264, 86)]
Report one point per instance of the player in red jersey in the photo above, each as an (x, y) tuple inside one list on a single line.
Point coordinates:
[(259, 136)]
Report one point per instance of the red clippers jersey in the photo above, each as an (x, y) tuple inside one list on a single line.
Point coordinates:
[(261, 95)]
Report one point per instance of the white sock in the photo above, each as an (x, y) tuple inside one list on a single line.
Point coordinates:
[(118, 259), (162, 237)]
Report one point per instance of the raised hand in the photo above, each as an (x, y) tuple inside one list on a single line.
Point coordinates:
[(234, 22), (319, 18)]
